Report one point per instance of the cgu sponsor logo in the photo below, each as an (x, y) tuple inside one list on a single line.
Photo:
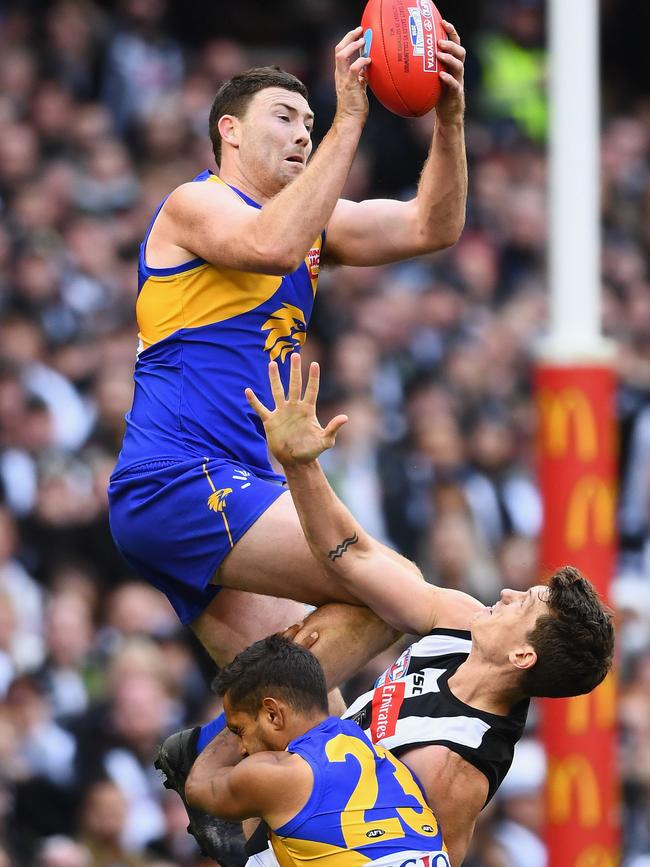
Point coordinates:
[(386, 704), (590, 515), (565, 411), (431, 859)]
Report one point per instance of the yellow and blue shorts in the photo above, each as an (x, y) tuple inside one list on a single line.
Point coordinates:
[(175, 521)]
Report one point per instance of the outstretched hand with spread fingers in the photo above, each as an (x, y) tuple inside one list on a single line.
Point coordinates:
[(293, 432)]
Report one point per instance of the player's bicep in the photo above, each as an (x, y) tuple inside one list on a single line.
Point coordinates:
[(373, 232), (213, 224), (453, 609), (457, 809), (233, 793)]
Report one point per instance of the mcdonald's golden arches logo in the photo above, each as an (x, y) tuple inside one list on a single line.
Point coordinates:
[(597, 709), (596, 856), (590, 513), (565, 411), (573, 780)]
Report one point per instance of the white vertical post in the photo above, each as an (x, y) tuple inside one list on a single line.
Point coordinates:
[(574, 209), (576, 397)]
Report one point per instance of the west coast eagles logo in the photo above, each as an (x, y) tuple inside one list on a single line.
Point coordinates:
[(217, 501), (287, 331)]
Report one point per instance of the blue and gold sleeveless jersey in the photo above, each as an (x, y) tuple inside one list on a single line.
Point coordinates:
[(366, 806), (205, 334)]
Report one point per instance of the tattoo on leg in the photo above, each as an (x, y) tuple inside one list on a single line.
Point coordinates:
[(340, 550)]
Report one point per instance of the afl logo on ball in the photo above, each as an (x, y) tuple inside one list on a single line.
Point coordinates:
[(423, 36)]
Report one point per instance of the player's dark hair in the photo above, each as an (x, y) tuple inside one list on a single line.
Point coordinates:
[(574, 641), (235, 94), (278, 667)]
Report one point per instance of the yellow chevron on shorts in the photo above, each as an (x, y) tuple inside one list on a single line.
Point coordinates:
[(217, 500)]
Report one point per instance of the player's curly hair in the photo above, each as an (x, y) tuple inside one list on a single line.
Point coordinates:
[(235, 94), (278, 667), (574, 642)]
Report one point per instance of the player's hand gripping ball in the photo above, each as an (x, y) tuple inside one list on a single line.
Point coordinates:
[(402, 41)]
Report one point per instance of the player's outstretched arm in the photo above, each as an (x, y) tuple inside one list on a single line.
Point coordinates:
[(211, 222), (387, 583), (379, 231)]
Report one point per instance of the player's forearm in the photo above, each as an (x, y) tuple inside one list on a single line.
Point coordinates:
[(365, 567), (219, 756), (295, 217), (333, 534), (442, 191)]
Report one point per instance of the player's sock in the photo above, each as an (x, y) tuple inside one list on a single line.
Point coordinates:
[(209, 731)]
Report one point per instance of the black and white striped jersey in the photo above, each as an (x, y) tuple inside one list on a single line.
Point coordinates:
[(411, 705)]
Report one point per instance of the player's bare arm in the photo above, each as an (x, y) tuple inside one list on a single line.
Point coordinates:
[(270, 785), (389, 584), (210, 221), (379, 231), (455, 790)]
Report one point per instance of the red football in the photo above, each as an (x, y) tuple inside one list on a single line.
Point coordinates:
[(402, 40)]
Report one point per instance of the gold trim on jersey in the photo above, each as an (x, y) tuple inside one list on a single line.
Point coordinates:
[(290, 851), (202, 296)]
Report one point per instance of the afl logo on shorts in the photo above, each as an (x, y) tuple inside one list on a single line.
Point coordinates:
[(313, 262)]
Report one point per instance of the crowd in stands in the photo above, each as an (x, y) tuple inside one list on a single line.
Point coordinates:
[(103, 110)]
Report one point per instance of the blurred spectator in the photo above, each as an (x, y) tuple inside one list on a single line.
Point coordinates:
[(521, 803), (74, 30), (59, 851), (23, 600), (142, 63), (45, 747), (513, 68), (103, 819), (353, 468), (68, 637), (503, 500), (176, 844)]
